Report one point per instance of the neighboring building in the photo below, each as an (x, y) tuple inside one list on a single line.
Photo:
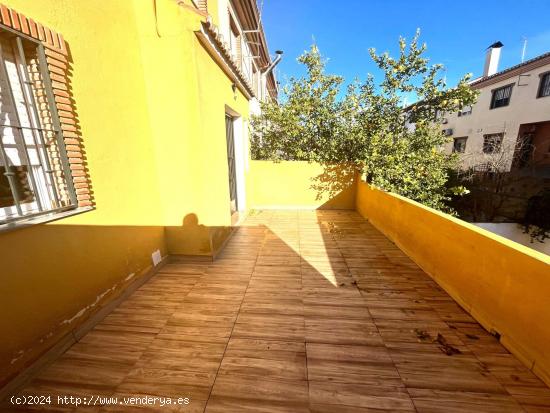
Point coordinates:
[(124, 138), (513, 106)]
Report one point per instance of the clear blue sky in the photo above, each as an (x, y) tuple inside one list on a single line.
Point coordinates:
[(456, 32)]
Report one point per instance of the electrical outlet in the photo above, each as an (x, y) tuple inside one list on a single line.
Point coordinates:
[(156, 257)]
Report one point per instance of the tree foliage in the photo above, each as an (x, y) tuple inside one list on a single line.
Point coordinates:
[(368, 130)]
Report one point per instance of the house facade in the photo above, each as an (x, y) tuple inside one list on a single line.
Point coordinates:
[(124, 139), (509, 125)]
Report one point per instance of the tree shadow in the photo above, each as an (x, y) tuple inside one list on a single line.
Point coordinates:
[(338, 183)]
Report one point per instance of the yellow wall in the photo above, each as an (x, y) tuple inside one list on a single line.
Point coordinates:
[(504, 285), (187, 95), (294, 184), (151, 112)]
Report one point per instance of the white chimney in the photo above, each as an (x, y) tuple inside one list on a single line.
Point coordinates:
[(491, 59)]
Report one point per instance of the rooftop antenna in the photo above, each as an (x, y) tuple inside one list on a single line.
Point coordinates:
[(523, 49), (261, 11)]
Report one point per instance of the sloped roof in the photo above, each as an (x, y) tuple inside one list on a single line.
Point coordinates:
[(530, 64)]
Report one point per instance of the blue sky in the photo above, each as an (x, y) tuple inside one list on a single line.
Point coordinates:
[(456, 32)]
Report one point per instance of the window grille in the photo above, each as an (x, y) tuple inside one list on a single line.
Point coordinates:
[(501, 97), (35, 176), (492, 143), (544, 88)]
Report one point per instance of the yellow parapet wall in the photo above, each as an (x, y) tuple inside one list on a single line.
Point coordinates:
[(502, 284), (296, 184)]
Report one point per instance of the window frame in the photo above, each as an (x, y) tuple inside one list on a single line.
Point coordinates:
[(543, 76), (462, 112), (498, 147), (462, 139), (493, 94), (42, 215)]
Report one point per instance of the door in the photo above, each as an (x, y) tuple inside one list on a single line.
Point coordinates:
[(229, 134)]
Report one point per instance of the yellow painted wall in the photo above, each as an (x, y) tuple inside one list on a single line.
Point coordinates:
[(504, 285), (49, 273), (187, 96), (292, 184), (151, 111)]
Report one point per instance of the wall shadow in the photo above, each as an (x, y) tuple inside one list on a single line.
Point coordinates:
[(195, 239), (81, 178)]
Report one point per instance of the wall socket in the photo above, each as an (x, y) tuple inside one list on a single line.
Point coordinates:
[(157, 258)]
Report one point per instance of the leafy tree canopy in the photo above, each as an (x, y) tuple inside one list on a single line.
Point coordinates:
[(368, 130)]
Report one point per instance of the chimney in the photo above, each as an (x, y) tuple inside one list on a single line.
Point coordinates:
[(492, 57)]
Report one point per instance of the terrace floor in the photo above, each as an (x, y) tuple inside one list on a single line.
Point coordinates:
[(305, 311)]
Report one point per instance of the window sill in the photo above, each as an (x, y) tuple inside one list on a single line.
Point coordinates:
[(43, 219)]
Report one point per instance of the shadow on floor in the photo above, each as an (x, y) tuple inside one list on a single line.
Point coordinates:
[(303, 311)]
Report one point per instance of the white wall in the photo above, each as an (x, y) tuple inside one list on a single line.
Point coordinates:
[(515, 233), (240, 131)]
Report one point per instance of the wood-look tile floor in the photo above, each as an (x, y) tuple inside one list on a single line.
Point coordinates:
[(304, 311)]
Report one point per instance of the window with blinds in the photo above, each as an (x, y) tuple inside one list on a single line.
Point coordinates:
[(544, 87), (235, 42), (202, 5), (35, 177), (501, 96)]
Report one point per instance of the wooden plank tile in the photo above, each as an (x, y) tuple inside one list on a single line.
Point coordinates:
[(348, 364), (182, 355), (432, 401), (254, 394), (168, 383), (376, 394)]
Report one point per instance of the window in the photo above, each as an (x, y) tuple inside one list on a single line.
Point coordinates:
[(235, 41), (544, 87), (202, 5), (459, 144), (492, 143), (501, 96), (465, 111), (256, 81), (35, 177)]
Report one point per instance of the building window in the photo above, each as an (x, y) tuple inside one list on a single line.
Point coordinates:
[(235, 42), (35, 177), (256, 81), (202, 5), (459, 144), (501, 97), (492, 143), (544, 87), (465, 111)]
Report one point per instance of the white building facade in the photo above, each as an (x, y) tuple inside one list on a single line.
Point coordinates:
[(513, 106)]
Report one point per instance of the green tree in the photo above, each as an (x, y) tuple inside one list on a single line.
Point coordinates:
[(368, 130)]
